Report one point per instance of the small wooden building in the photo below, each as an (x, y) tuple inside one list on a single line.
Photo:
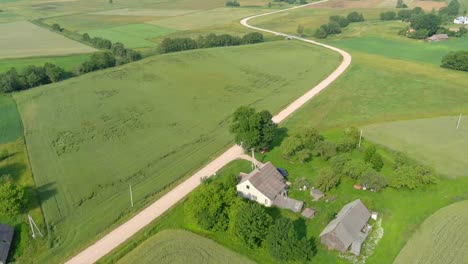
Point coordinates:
[(437, 37), (308, 213), (6, 237), (316, 194)]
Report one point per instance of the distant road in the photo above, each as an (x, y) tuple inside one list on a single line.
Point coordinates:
[(119, 235)]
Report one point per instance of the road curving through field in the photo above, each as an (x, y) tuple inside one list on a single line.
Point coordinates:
[(123, 232)]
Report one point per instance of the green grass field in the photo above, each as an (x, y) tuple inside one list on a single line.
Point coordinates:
[(24, 39), (178, 246), (133, 35), (148, 124), (69, 62), (434, 141), (10, 122), (440, 239)]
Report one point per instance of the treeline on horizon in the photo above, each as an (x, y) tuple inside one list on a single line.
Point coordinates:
[(210, 41)]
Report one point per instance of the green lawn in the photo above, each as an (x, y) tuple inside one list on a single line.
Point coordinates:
[(24, 248), (148, 124), (178, 246), (69, 63), (132, 36), (440, 239), (10, 121)]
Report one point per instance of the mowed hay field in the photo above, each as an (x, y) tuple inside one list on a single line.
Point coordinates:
[(433, 141), (441, 239), (148, 124), (180, 247), (24, 39)]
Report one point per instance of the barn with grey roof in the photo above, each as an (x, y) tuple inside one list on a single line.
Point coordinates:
[(349, 229)]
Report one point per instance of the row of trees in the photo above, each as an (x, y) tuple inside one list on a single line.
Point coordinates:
[(123, 55), (209, 41), (31, 76), (336, 23), (456, 60), (215, 206), (232, 3)]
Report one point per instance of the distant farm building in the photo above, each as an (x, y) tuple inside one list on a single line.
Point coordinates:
[(462, 20), (265, 185), (437, 37), (316, 194), (6, 236), (349, 229)]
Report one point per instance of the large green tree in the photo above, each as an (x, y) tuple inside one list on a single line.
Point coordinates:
[(284, 244), (456, 60), (253, 129), (11, 197), (251, 224), (429, 22), (327, 179)]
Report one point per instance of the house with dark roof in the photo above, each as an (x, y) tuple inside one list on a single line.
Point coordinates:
[(6, 236), (266, 186), (349, 229)]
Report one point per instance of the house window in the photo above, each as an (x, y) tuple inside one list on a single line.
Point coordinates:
[(254, 197), (247, 186), (266, 201)]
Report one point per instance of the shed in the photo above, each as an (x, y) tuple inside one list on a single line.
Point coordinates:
[(308, 213), (316, 194), (6, 236), (437, 37)]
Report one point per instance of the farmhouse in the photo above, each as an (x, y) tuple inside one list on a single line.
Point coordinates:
[(265, 185), (461, 20), (437, 37), (6, 236), (348, 229)]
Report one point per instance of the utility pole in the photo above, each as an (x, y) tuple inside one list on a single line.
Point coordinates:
[(131, 196), (459, 120), (360, 138), (253, 158), (33, 226)]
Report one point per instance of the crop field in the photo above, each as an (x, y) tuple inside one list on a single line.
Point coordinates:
[(23, 39), (440, 239), (207, 18), (69, 62), (179, 246), (10, 122), (133, 35), (433, 141), (146, 12), (149, 124)]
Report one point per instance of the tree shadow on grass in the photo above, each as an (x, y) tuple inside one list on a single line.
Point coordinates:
[(14, 170), (300, 227), (38, 195), (281, 134)]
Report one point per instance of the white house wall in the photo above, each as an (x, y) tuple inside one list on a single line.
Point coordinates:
[(248, 191)]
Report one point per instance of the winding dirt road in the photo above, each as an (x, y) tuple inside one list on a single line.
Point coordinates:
[(119, 235)]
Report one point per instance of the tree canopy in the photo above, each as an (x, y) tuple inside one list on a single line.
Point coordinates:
[(253, 129), (11, 197), (251, 224), (456, 60)]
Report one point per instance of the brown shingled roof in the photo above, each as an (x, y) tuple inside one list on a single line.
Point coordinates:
[(267, 180)]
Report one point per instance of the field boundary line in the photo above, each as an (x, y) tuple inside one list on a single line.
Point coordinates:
[(126, 230)]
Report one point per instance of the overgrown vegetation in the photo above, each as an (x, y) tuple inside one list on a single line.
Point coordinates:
[(209, 41), (336, 23)]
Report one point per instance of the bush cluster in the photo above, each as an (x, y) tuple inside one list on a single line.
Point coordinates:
[(390, 15), (456, 60), (336, 23), (232, 3), (209, 41)]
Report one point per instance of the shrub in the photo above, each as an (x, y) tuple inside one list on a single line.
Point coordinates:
[(325, 149), (333, 28), (390, 15), (86, 37), (401, 4), (373, 181), (404, 15), (12, 197), (338, 162), (356, 168), (327, 179), (232, 3), (4, 154), (456, 60), (252, 38), (419, 34), (321, 33), (355, 17), (56, 27), (341, 20)]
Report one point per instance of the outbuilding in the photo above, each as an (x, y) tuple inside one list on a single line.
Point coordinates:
[(437, 37), (6, 237), (308, 213), (316, 194)]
